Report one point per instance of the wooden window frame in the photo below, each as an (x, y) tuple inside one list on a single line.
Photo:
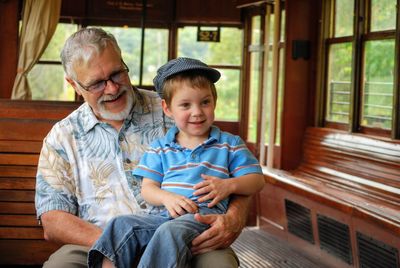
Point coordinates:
[(361, 35)]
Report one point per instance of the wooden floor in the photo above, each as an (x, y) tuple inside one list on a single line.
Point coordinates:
[(258, 249)]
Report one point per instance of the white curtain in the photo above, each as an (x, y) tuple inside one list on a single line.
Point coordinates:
[(39, 21)]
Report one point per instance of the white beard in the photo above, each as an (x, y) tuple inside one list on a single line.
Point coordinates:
[(122, 115)]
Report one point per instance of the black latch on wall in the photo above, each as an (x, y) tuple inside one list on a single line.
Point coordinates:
[(300, 49)]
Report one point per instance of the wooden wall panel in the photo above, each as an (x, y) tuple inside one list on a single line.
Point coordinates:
[(301, 24), (207, 11), (8, 45), (114, 12)]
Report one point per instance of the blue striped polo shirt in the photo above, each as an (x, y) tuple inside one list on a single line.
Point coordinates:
[(178, 169)]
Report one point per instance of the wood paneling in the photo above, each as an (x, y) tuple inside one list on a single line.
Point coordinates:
[(8, 45), (34, 251), (354, 174), (301, 24), (207, 11), (23, 125)]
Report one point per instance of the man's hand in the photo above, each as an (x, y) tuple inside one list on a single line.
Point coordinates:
[(224, 229)]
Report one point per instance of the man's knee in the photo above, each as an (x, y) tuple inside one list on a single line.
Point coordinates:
[(68, 256), (222, 258)]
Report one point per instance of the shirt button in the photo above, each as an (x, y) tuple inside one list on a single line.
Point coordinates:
[(194, 156), (143, 206), (134, 183)]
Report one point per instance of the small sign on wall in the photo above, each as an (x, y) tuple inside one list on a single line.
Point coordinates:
[(208, 34)]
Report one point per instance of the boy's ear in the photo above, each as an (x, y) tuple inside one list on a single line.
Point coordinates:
[(165, 108)]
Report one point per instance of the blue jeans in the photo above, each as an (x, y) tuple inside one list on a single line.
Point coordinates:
[(165, 241)]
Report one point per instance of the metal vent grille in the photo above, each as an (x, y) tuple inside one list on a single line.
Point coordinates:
[(299, 221), (376, 254), (334, 238)]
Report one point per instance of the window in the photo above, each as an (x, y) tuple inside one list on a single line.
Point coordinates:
[(129, 40), (226, 56), (264, 94), (360, 63), (47, 81), (256, 56)]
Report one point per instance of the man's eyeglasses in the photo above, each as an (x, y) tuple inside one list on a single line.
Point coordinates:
[(118, 78)]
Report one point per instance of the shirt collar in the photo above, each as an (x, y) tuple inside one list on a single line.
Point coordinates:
[(169, 138)]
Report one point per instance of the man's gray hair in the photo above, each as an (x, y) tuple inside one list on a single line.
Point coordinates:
[(82, 45)]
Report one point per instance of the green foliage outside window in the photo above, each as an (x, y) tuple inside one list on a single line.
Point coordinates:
[(339, 77), (383, 15), (378, 84), (155, 51), (47, 80), (378, 63), (227, 52), (344, 14), (255, 77)]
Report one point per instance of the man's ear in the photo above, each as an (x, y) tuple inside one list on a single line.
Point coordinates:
[(74, 85), (165, 108)]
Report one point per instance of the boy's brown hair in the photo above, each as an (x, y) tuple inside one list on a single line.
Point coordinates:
[(194, 78)]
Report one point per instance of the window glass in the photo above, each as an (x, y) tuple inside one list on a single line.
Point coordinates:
[(378, 84), (383, 15), (46, 80), (283, 25), (280, 95), (268, 92), (227, 52), (255, 78), (129, 40), (254, 91), (47, 83), (344, 13), (339, 83), (63, 31), (268, 83), (228, 95), (155, 53)]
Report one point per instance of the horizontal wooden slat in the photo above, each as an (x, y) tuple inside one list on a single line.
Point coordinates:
[(54, 110), (8, 146), (17, 208), (18, 171), (23, 126), (21, 232), (24, 129), (19, 159), (18, 220), (17, 183), (25, 252), (17, 195)]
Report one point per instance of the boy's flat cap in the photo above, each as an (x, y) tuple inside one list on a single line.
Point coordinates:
[(180, 65)]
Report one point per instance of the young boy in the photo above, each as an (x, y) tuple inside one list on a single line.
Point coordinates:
[(193, 169)]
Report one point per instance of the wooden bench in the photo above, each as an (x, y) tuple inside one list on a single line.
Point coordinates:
[(357, 175), (23, 125)]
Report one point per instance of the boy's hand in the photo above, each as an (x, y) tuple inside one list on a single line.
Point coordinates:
[(212, 188), (178, 205)]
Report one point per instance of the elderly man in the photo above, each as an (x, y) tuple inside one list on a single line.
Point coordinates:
[(83, 177)]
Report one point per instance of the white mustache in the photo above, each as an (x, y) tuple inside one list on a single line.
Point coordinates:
[(111, 97)]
